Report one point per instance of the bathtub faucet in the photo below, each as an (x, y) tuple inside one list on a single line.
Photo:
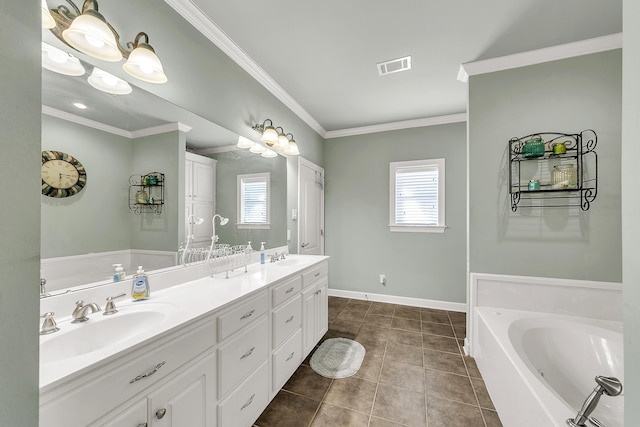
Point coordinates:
[(606, 385)]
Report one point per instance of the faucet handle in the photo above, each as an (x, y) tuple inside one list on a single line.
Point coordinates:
[(110, 308), (49, 325)]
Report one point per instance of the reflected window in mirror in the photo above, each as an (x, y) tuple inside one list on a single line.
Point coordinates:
[(253, 200)]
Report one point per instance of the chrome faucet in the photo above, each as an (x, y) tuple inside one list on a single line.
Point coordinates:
[(606, 385), (278, 256), (81, 311), (43, 289)]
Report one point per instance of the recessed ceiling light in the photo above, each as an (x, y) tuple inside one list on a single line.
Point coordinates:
[(80, 105), (394, 65)]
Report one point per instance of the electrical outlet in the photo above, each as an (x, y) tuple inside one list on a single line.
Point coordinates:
[(383, 279)]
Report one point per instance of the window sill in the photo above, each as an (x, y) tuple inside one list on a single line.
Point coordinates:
[(254, 226), (418, 228)]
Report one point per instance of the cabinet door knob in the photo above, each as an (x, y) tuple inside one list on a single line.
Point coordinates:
[(160, 413)]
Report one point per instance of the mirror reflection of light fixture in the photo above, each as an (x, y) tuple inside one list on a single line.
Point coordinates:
[(244, 142), (59, 61), (109, 83), (89, 32), (269, 154), (276, 138), (47, 20), (257, 149)]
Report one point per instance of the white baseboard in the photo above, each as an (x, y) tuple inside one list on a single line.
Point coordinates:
[(392, 299)]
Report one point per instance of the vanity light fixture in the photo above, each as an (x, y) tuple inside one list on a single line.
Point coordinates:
[(276, 138), (90, 33), (109, 83), (61, 62), (47, 20), (257, 149), (269, 154)]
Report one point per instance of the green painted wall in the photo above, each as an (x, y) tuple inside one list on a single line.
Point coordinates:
[(630, 208), (565, 96), (96, 219), (20, 225), (229, 166), (419, 265)]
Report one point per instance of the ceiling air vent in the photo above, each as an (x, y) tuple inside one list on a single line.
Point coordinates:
[(394, 66)]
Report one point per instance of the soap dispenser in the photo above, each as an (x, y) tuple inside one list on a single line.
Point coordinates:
[(140, 286), (119, 275), (262, 255)]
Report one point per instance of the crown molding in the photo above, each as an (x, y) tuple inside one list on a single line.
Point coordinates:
[(405, 124), (539, 56), (155, 130), (210, 30), (215, 150)]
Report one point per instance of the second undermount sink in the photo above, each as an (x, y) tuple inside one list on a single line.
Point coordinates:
[(291, 261), (100, 332)]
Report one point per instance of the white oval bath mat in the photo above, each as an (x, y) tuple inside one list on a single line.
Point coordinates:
[(338, 358)]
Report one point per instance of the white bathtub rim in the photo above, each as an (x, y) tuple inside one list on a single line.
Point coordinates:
[(551, 403)]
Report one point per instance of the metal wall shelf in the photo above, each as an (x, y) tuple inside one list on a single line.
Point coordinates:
[(525, 166), (151, 186)]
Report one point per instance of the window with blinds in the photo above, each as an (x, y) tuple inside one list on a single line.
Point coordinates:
[(253, 200), (417, 195)]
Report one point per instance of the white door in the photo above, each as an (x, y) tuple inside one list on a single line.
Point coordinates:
[(311, 208)]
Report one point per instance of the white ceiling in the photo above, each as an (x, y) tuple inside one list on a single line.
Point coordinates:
[(322, 55)]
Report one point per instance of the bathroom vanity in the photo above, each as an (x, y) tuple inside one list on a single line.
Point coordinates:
[(205, 352)]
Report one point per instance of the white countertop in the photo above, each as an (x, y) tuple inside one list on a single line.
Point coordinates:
[(181, 303)]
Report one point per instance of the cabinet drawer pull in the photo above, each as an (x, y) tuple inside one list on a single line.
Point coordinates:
[(317, 274), (289, 319), (290, 356), (248, 402), (148, 374), (160, 413), (289, 290), (247, 315), (247, 354)]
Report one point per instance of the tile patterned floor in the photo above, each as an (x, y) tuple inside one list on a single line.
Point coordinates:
[(414, 374)]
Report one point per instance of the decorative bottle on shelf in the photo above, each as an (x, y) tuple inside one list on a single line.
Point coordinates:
[(142, 197)]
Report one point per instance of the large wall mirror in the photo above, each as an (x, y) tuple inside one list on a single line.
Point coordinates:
[(119, 136)]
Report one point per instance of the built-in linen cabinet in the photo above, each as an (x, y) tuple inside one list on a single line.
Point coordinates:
[(314, 306), (200, 178)]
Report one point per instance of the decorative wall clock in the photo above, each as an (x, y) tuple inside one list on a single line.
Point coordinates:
[(62, 174)]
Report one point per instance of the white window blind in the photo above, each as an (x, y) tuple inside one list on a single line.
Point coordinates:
[(253, 200), (417, 195)]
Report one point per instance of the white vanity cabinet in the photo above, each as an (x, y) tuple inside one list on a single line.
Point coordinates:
[(200, 181), (185, 399), (176, 373), (315, 306)]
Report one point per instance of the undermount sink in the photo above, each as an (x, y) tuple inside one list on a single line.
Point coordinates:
[(100, 332), (290, 262)]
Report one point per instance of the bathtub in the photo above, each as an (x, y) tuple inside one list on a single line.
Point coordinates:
[(540, 367)]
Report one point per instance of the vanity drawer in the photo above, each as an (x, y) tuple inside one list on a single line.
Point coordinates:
[(246, 403), (114, 383), (314, 274), (241, 315), (286, 360), (238, 357), (286, 320), (283, 292)]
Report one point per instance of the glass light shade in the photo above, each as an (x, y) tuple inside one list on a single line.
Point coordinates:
[(283, 141), (47, 19), (109, 83), (269, 136), (90, 34), (145, 65), (293, 149), (59, 61), (244, 142), (257, 149), (269, 154)]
